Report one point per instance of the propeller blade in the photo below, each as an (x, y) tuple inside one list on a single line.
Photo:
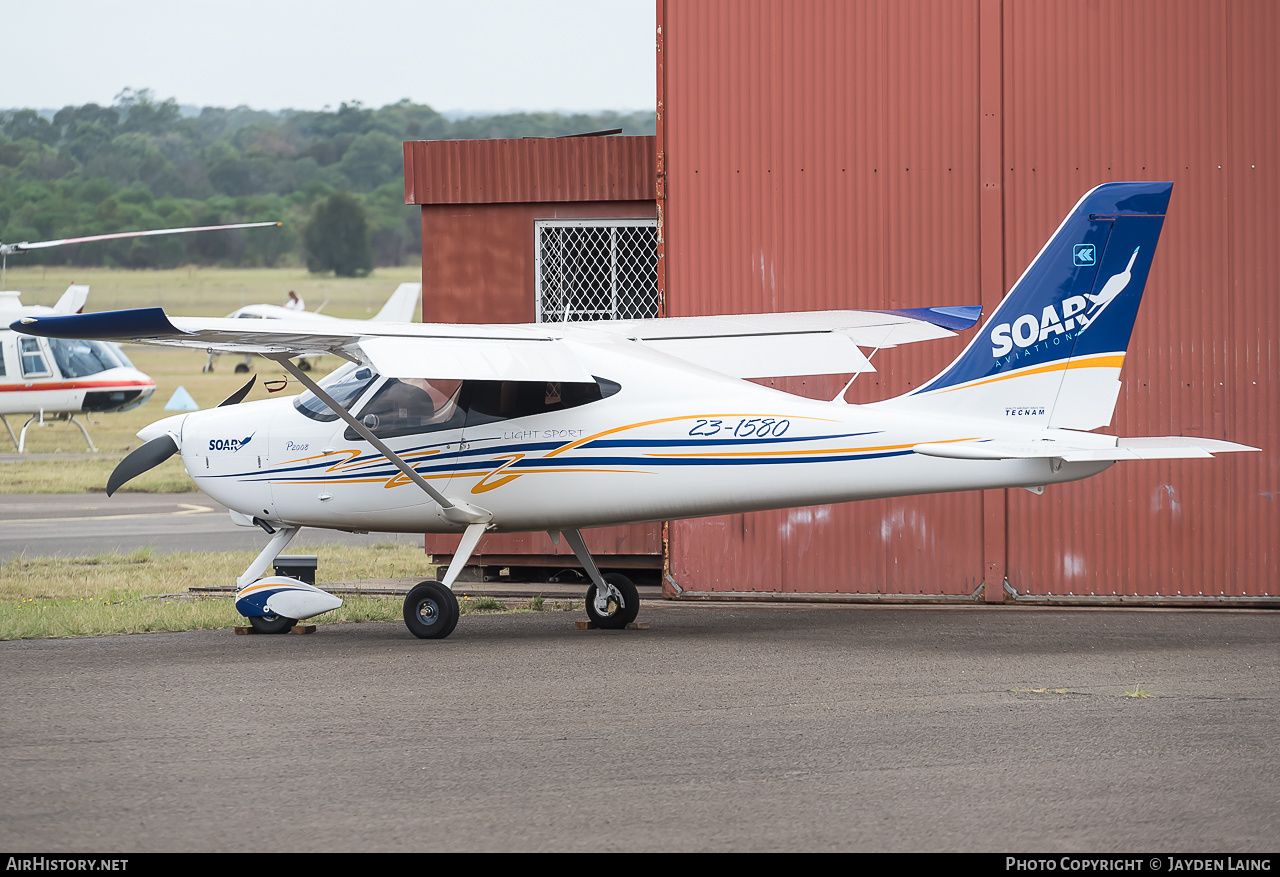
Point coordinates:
[(142, 459), (238, 396)]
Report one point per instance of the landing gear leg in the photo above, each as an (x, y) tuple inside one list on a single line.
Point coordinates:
[(87, 440), (431, 609), (22, 437), (268, 623), (612, 600), (10, 428)]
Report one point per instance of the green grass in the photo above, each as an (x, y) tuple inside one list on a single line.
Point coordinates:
[(211, 292), (143, 591)]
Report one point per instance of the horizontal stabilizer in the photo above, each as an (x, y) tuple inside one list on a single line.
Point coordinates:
[(1138, 448)]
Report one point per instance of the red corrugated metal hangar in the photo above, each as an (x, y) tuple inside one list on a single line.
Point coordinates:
[(909, 153)]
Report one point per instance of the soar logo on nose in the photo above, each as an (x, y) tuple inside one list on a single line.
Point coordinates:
[(1078, 313), (229, 444)]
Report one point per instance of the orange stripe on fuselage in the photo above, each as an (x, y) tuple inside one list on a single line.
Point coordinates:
[(1102, 360)]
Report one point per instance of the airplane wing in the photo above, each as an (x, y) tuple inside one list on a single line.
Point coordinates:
[(797, 343), (750, 345), (406, 350)]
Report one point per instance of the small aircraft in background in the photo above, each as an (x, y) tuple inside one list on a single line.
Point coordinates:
[(399, 308), (517, 428), (56, 379)]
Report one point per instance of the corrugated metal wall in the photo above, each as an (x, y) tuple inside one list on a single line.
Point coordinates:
[(532, 169), (919, 152)]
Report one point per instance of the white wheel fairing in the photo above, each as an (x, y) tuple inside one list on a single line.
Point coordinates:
[(281, 595)]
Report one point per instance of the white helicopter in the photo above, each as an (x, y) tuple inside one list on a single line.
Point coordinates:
[(58, 379), (458, 428)]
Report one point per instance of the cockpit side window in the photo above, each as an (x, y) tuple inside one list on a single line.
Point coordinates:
[(345, 386), (409, 407), (405, 408), (33, 361)]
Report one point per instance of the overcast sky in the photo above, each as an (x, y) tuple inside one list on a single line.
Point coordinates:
[(477, 55)]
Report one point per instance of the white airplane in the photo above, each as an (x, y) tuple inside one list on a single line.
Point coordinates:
[(57, 379), (399, 308), (468, 429)]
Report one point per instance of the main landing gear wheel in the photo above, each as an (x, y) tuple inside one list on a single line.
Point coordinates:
[(618, 616), (430, 611), (272, 623)]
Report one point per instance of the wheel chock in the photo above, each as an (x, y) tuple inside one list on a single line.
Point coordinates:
[(591, 625), (297, 628)]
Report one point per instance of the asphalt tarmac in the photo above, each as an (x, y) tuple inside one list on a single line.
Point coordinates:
[(721, 727), (73, 525)]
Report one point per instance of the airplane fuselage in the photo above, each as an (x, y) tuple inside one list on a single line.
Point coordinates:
[(663, 442)]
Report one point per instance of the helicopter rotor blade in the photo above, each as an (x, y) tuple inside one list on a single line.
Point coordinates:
[(24, 246)]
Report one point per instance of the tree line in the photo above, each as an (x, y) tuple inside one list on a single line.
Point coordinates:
[(330, 175)]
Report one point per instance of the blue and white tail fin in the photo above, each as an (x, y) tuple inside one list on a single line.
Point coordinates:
[(1051, 353)]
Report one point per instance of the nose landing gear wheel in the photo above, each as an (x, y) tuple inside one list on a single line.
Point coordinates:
[(430, 611), (272, 623), (618, 615)]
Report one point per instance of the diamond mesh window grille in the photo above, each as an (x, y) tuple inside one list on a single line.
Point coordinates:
[(596, 269)]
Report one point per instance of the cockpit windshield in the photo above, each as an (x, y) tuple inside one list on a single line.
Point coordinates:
[(345, 386), (78, 358)]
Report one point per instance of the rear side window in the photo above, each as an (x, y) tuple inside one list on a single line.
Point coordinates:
[(33, 361), (490, 401)]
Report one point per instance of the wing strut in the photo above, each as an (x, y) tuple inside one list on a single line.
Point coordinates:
[(456, 511)]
